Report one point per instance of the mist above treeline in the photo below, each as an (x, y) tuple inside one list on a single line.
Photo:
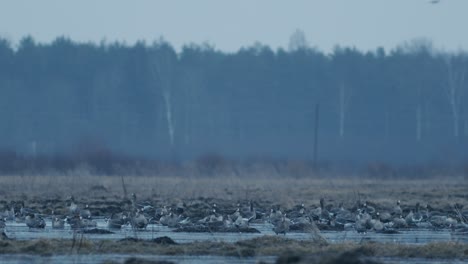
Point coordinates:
[(404, 106)]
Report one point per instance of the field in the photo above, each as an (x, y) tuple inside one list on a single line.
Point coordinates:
[(102, 193)]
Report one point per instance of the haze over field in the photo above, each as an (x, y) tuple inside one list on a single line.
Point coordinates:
[(386, 80)]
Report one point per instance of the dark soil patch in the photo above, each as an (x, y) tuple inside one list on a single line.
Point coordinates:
[(164, 241), (97, 231), (146, 261)]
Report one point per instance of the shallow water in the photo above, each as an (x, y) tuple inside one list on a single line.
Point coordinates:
[(408, 236), (120, 258)]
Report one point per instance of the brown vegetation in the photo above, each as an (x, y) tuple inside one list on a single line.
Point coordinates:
[(262, 246), (46, 191)]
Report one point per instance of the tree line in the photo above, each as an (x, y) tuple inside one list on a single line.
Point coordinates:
[(144, 100)]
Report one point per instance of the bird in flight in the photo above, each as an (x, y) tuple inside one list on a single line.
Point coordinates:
[(434, 2)]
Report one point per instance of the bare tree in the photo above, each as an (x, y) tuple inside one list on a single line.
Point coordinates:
[(456, 76), (344, 98), (163, 65)]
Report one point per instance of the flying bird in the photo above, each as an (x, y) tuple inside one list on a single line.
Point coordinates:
[(434, 2)]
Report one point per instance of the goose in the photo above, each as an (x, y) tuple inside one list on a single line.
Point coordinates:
[(384, 217), (73, 207), (139, 221), (74, 221), (365, 218), (282, 226), (116, 221), (376, 224), (87, 223), (302, 210), (305, 219), (316, 213), (170, 220), (251, 214), (35, 221), (228, 222), (399, 222), (133, 200), (360, 227), (362, 222), (369, 209), (215, 217), (397, 209), (275, 216), (9, 213), (58, 223), (417, 215), (241, 222), (343, 216), (326, 215), (185, 221), (235, 214), (85, 213), (26, 211), (409, 218)]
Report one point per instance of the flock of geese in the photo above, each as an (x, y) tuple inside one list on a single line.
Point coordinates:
[(362, 217)]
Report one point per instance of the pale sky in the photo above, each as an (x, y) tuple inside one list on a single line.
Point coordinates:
[(229, 25)]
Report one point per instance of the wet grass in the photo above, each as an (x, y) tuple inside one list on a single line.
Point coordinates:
[(262, 246), (43, 191)]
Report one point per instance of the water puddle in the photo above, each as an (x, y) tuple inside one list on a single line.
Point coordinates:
[(120, 258)]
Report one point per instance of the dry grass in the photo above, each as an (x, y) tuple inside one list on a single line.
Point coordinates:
[(286, 191), (263, 246)]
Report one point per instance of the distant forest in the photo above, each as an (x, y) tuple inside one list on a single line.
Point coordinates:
[(402, 106)]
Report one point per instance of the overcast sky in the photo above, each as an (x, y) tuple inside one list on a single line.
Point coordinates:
[(229, 25)]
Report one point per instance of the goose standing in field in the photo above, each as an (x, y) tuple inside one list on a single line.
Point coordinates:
[(344, 219), (24, 212), (35, 221), (397, 209), (316, 213), (215, 217), (139, 221), (362, 222), (282, 226), (409, 218), (384, 217), (116, 221), (72, 206), (235, 214), (171, 220), (368, 208), (243, 222), (251, 214), (9, 213), (275, 216), (377, 226), (399, 222), (417, 215), (58, 223)]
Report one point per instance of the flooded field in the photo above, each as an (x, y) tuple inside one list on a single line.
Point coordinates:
[(19, 231), (378, 221)]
